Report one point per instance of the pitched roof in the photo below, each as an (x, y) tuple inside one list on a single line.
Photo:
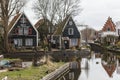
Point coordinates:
[(109, 24), (109, 69), (40, 22), (13, 21), (60, 26)]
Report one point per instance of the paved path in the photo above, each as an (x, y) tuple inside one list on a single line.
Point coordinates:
[(5, 70)]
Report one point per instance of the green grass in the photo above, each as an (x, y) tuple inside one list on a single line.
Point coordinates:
[(32, 73)]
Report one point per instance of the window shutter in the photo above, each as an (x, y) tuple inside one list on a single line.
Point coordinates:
[(17, 31), (30, 31)]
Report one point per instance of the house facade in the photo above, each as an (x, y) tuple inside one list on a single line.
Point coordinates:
[(108, 32), (21, 32), (45, 30), (118, 28), (67, 34)]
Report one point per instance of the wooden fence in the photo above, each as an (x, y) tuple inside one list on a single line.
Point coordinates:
[(58, 73)]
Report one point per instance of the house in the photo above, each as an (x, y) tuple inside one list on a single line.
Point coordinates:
[(45, 29), (88, 35), (108, 32), (118, 29), (67, 34), (21, 32)]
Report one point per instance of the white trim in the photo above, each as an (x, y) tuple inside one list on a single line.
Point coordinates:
[(14, 23), (30, 23), (34, 28), (70, 31), (66, 23)]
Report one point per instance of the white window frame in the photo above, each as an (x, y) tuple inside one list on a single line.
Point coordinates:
[(20, 31), (29, 42), (70, 23), (70, 31), (25, 31), (18, 42), (74, 42)]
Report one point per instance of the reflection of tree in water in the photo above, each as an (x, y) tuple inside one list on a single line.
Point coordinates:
[(87, 68), (118, 67)]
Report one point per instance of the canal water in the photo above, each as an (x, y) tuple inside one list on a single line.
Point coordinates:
[(92, 70)]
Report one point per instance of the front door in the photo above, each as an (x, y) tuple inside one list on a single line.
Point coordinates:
[(66, 44)]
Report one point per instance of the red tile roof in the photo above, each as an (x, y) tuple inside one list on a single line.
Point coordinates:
[(109, 24), (40, 22)]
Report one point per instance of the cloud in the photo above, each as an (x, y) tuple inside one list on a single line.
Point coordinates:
[(95, 12)]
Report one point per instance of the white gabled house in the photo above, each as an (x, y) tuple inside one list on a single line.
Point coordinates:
[(117, 29), (21, 32)]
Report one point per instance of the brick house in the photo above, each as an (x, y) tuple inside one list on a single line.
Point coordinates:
[(108, 32)]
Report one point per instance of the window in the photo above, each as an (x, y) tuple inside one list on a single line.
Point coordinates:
[(20, 31), (25, 31), (30, 31), (23, 19), (119, 32), (108, 29), (29, 42), (16, 31), (18, 42), (74, 42), (70, 31), (70, 22)]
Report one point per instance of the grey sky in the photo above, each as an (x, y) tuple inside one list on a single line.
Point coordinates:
[(94, 14)]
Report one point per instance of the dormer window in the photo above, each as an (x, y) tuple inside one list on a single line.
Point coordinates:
[(70, 31), (70, 22)]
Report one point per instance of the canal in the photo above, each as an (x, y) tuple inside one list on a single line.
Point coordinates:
[(92, 69)]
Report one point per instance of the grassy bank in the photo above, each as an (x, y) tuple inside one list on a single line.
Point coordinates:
[(31, 73)]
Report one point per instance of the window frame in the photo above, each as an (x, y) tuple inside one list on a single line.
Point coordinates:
[(70, 31), (29, 42)]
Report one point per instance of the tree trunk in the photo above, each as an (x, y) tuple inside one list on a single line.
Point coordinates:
[(6, 44)]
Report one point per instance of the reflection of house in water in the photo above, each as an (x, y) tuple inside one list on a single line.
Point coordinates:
[(118, 66), (96, 71)]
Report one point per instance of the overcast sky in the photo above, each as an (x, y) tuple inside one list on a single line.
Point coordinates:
[(94, 14)]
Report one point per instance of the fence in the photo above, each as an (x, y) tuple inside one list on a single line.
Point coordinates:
[(58, 73)]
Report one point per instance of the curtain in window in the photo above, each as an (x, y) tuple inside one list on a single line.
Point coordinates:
[(74, 42), (29, 42)]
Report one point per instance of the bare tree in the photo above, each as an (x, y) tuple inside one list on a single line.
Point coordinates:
[(8, 8), (56, 10)]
